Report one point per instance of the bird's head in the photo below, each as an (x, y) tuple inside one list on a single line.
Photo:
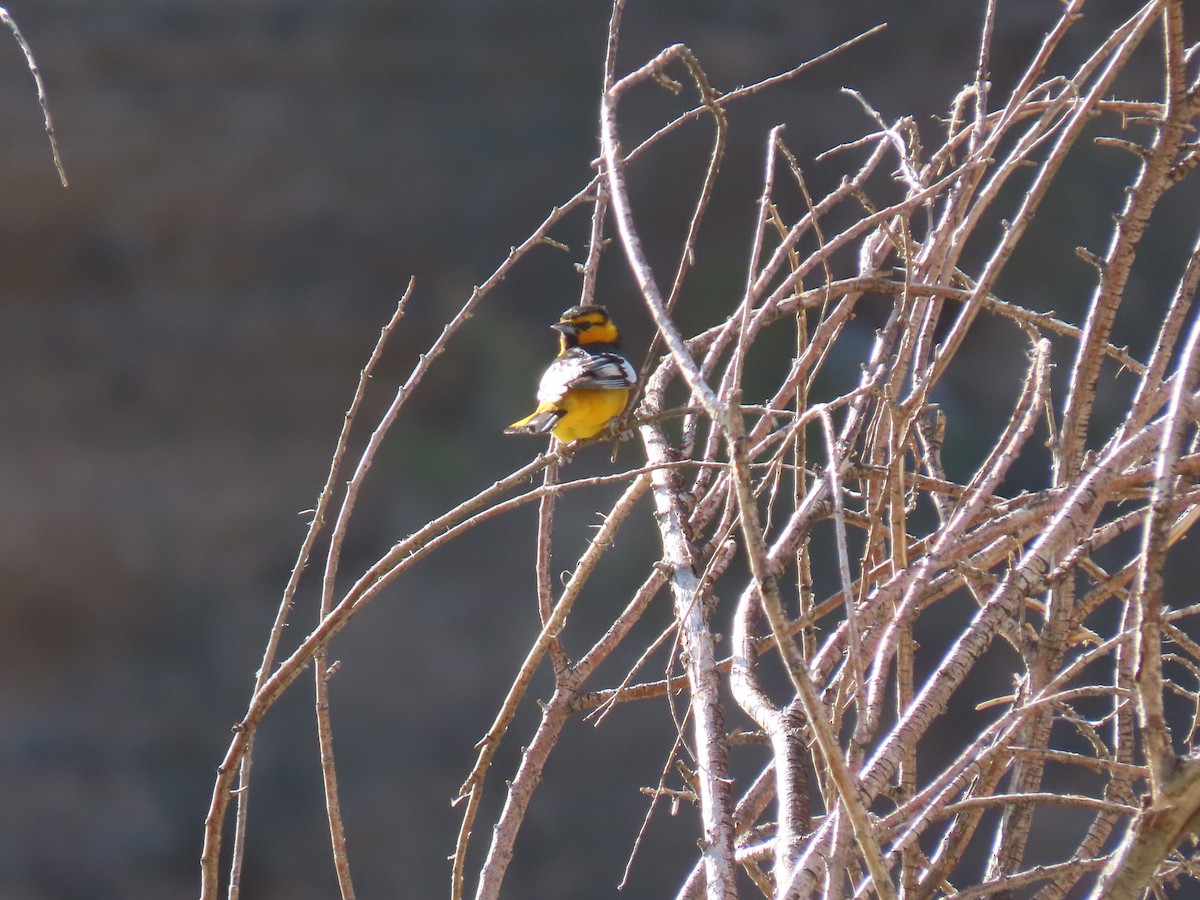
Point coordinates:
[(585, 325)]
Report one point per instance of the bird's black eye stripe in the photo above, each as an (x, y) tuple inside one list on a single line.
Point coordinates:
[(584, 326)]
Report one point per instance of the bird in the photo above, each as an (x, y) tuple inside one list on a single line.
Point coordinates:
[(588, 383)]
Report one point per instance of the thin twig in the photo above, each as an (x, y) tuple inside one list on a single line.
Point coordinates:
[(32, 65)]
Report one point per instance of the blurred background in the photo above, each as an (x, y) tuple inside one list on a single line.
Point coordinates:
[(252, 184)]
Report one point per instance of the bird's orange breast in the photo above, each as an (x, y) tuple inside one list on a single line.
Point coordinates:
[(587, 413)]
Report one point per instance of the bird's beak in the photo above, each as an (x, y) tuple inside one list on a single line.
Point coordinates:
[(565, 328)]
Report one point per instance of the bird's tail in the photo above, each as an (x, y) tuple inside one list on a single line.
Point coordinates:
[(540, 422)]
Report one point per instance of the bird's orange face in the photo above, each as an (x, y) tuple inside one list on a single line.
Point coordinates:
[(582, 325)]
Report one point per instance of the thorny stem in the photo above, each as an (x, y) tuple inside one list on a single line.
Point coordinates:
[(554, 716), (324, 503)]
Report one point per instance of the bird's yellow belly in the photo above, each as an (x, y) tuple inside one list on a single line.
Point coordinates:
[(587, 413)]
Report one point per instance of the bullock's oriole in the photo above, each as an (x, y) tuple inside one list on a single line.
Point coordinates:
[(588, 383)]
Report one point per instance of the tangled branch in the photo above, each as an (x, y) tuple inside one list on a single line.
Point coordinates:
[(863, 539)]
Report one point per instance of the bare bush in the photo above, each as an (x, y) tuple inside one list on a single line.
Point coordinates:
[(823, 531)]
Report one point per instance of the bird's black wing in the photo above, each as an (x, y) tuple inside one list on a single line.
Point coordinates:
[(579, 369)]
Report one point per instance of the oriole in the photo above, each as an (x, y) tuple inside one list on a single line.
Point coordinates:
[(587, 384)]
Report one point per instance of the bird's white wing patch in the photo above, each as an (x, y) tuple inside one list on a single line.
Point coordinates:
[(590, 371)]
